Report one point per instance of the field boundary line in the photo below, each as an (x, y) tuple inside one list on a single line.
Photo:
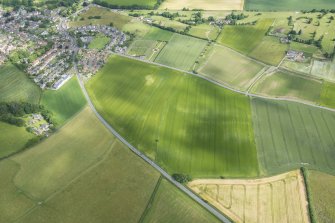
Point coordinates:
[(151, 200)]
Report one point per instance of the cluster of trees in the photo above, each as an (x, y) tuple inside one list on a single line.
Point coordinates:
[(12, 112), (235, 17), (17, 3), (181, 178)]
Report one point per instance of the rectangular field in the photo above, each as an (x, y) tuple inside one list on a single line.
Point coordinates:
[(142, 47), (289, 135), (288, 85), (181, 52), (65, 102), (205, 31), (16, 86), (186, 124), (245, 38), (288, 5), (227, 66), (203, 4), (280, 198)]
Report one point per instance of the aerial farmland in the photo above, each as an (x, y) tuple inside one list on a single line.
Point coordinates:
[(167, 111)]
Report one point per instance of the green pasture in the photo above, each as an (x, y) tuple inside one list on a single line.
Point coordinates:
[(99, 42), (158, 34), (142, 47), (107, 17), (245, 38), (12, 138), (64, 102), (166, 22), (297, 66), (16, 86), (289, 85), (184, 123), (328, 95), (49, 166), (227, 66), (181, 52), (172, 205), (288, 5), (205, 31), (269, 51), (322, 195), (290, 135), (143, 3)]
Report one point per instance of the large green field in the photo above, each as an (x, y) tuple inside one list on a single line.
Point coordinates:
[(288, 85), (227, 66), (16, 86), (322, 195), (288, 5), (290, 135), (245, 38), (172, 205), (12, 138), (181, 52), (184, 123), (83, 174), (65, 102)]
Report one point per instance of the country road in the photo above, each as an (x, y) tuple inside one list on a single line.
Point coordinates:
[(211, 209)]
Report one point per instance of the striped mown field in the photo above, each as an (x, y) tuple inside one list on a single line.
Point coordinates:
[(289, 135), (186, 124), (16, 86), (181, 52)]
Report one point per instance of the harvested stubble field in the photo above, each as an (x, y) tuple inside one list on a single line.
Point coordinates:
[(65, 102), (181, 52), (202, 129), (203, 4), (12, 79), (290, 135), (280, 198), (226, 66)]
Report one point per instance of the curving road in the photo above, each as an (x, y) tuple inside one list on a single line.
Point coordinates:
[(211, 209)]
